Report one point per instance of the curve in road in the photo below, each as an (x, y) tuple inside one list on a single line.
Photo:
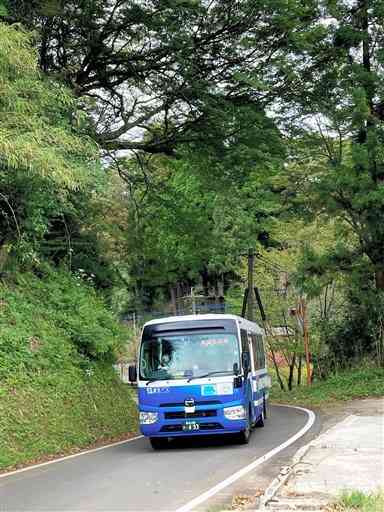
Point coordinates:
[(131, 477)]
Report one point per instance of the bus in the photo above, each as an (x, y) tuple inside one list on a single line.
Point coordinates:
[(199, 375)]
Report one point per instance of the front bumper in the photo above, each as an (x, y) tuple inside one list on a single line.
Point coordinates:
[(214, 424)]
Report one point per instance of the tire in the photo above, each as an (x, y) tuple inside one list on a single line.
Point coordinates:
[(267, 409), (244, 436), (261, 419), (158, 443)]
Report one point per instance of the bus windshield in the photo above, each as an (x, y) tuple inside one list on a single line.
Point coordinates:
[(189, 355)]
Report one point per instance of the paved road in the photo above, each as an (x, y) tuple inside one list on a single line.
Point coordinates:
[(132, 477)]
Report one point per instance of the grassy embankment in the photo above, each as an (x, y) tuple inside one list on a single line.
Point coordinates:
[(58, 391), (363, 382)]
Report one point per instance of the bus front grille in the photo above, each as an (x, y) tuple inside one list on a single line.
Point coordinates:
[(198, 402), (208, 413), (211, 426), (172, 428)]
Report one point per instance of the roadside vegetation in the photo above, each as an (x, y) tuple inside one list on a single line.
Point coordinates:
[(347, 384), (146, 148), (56, 413), (358, 501), (58, 390)]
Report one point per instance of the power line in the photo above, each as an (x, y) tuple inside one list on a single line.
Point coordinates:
[(274, 266)]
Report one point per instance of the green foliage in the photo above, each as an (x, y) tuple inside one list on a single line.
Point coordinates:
[(54, 321), (3, 8), (61, 410), (198, 78), (358, 321), (36, 135), (362, 381), (336, 172), (44, 162), (183, 222), (347, 144), (357, 500), (194, 61)]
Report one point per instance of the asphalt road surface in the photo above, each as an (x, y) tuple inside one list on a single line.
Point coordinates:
[(133, 477)]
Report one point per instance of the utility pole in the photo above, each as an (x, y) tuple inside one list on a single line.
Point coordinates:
[(251, 291)]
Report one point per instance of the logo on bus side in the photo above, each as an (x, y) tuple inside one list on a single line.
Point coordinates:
[(157, 390)]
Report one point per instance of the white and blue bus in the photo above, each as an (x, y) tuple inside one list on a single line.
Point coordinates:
[(201, 374)]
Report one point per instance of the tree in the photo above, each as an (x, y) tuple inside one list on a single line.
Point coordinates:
[(42, 158), (191, 218), (178, 63), (340, 123)]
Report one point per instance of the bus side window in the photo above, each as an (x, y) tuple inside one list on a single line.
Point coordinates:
[(255, 352), (258, 351), (244, 341), (260, 345), (245, 348), (252, 351)]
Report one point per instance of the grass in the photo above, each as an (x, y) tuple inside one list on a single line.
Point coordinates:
[(58, 390), (354, 383), (55, 413), (358, 501)]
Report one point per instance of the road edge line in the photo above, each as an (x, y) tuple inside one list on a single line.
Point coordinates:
[(67, 457), (188, 507), (284, 475)]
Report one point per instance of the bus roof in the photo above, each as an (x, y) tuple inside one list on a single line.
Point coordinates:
[(185, 318)]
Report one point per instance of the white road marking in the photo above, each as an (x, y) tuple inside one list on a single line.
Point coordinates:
[(214, 490), (85, 452), (242, 472)]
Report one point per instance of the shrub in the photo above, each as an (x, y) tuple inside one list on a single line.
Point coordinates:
[(53, 320)]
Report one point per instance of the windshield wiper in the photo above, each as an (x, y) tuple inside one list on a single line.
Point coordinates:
[(158, 380), (208, 374), (152, 380)]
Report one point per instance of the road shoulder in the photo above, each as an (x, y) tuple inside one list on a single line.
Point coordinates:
[(347, 455)]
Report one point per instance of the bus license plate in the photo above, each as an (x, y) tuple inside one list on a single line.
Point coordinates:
[(191, 425)]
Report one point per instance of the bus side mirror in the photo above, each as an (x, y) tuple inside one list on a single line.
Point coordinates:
[(132, 373), (245, 362)]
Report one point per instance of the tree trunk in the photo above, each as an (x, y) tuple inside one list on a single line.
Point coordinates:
[(172, 290), (299, 370), (179, 290), (220, 285), (291, 370), (4, 252), (205, 281), (379, 278), (380, 343), (276, 368)]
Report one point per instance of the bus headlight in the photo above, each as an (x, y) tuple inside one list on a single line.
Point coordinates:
[(147, 418), (235, 413)]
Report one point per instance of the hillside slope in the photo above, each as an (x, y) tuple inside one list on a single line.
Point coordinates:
[(58, 391)]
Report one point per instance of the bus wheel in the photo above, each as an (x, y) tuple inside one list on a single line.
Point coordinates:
[(158, 443), (267, 409), (245, 435), (261, 419)]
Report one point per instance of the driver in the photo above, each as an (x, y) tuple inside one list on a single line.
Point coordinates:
[(165, 362)]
